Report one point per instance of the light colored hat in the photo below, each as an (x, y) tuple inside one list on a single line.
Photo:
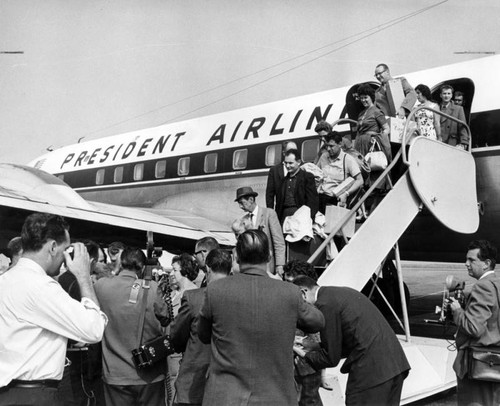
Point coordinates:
[(299, 226)]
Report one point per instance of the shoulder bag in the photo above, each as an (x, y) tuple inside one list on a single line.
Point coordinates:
[(154, 350), (376, 157)]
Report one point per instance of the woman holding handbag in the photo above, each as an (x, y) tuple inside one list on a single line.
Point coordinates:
[(373, 136)]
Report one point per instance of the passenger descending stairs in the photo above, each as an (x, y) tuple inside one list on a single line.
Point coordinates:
[(443, 179)]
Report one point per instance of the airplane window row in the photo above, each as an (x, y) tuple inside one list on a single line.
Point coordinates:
[(212, 163)]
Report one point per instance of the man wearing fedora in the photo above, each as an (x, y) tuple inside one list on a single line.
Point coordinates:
[(264, 219)]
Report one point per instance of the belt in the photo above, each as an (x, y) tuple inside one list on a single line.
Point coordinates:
[(44, 383)]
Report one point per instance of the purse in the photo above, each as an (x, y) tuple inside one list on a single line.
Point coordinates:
[(154, 350), (376, 157), (484, 363)]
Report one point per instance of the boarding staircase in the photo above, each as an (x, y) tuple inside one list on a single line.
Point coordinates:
[(443, 179)]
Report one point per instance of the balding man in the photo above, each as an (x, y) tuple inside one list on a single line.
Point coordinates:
[(383, 75)]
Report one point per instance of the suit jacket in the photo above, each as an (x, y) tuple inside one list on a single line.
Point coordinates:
[(382, 101), (478, 324), (355, 329), (274, 180), (267, 221), (250, 320), (190, 382), (452, 132), (305, 194)]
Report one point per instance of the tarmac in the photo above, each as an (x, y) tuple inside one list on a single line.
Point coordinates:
[(426, 283)]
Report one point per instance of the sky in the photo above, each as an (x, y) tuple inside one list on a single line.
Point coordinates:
[(96, 68)]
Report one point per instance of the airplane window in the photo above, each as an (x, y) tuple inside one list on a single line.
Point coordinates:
[(138, 171), (160, 169), (310, 150), (99, 177), (240, 159), (210, 163), (118, 178), (183, 166), (273, 155)]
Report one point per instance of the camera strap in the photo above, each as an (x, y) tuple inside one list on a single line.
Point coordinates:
[(142, 316)]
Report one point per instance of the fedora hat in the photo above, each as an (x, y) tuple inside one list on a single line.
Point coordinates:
[(244, 191)]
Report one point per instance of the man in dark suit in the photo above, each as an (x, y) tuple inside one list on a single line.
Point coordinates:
[(354, 328), (264, 219), (478, 323), (452, 133), (298, 188), (190, 382), (276, 175), (250, 320)]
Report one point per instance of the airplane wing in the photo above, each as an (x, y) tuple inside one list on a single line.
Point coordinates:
[(24, 190)]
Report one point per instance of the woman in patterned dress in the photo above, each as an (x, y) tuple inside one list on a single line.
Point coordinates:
[(427, 121)]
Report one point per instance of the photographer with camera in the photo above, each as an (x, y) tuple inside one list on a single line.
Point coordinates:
[(38, 316), (122, 297), (478, 326)]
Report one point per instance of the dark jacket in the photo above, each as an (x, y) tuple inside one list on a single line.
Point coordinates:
[(190, 382), (305, 194), (356, 330), (250, 320), (274, 180)]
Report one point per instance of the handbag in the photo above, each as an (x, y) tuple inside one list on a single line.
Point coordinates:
[(376, 157), (484, 363), (155, 350)]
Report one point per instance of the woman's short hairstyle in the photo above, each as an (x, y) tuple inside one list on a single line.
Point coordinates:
[(366, 90), (188, 264), (426, 92), (241, 225), (133, 259), (253, 247)]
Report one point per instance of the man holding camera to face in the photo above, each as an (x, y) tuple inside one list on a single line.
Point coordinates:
[(37, 316), (478, 325)]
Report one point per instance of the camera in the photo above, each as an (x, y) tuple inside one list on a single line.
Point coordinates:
[(453, 288)]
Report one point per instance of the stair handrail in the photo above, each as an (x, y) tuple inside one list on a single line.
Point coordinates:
[(406, 136), (352, 212)]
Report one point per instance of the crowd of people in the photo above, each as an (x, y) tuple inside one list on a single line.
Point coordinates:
[(251, 326)]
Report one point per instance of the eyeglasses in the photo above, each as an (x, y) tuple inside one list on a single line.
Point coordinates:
[(380, 73)]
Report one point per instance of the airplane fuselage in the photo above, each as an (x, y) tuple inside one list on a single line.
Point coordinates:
[(197, 165)]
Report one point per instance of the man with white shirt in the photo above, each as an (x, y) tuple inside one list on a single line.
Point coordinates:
[(37, 316), (265, 219), (478, 324)]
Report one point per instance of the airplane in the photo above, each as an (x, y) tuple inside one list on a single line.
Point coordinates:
[(170, 166), (24, 190), (194, 168)]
